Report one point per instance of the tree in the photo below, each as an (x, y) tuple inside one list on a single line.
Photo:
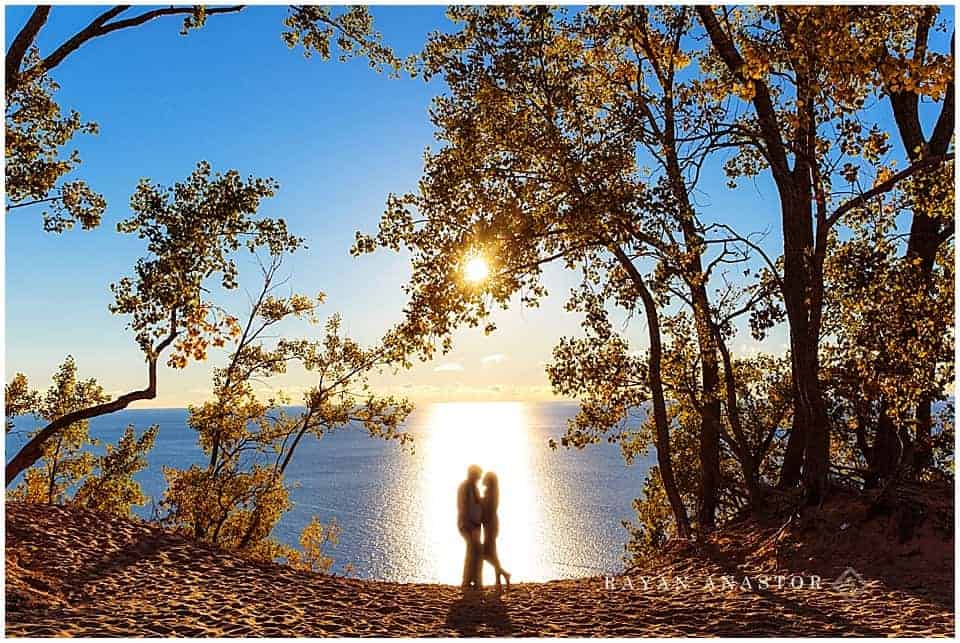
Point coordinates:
[(36, 128), (237, 498), (65, 458), (798, 69), (19, 399), (36, 132), (890, 342), (192, 231), (157, 301), (641, 62), (111, 487), (932, 223)]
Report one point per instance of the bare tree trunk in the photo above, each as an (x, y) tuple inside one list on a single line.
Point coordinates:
[(710, 414), (887, 449), (802, 294), (792, 466), (749, 465), (816, 451)]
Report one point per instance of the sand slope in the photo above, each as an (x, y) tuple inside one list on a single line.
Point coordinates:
[(77, 573)]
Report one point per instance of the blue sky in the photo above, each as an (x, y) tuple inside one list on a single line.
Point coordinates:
[(337, 137)]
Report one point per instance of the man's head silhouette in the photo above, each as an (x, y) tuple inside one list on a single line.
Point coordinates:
[(474, 472)]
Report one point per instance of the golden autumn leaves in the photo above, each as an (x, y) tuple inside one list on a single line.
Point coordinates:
[(205, 327), (210, 327)]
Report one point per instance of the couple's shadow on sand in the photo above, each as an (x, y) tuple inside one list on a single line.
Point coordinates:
[(474, 610)]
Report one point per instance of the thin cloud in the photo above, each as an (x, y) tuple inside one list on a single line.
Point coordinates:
[(448, 367), (430, 393), (496, 358)]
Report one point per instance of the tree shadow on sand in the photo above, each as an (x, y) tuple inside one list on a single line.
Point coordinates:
[(815, 614), (474, 611)]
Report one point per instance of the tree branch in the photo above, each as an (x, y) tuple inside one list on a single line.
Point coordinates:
[(101, 26), (21, 43), (33, 450), (886, 186), (943, 130), (762, 102), (34, 202)]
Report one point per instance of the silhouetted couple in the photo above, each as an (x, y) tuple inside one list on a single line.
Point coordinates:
[(473, 513)]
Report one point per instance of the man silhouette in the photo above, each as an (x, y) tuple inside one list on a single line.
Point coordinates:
[(469, 518)]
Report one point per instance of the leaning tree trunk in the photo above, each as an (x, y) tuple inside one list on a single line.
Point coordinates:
[(660, 418), (33, 450), (659, 401), (749, 464)]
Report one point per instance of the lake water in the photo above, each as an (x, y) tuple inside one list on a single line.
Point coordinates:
[(560, 511)]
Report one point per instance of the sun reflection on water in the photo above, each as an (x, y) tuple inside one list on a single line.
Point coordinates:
[(560, 511), (494, 436)]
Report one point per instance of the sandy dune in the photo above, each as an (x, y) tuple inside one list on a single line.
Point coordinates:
[(72, 572)]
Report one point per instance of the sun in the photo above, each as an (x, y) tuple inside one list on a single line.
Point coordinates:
[(476, 269)]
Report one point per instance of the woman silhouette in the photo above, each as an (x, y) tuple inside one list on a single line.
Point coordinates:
[(491, 525)]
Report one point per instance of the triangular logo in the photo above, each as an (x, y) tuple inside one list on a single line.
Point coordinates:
[(849, 582)]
